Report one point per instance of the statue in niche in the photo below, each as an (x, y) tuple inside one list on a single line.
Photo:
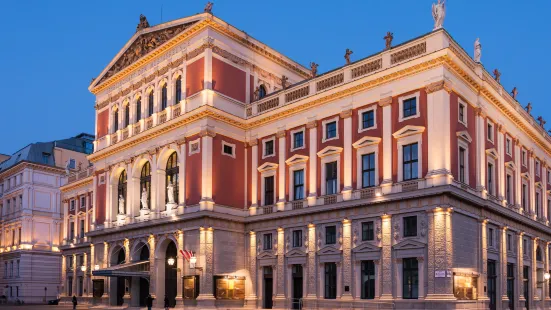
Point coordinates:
[(347, 55), (388, 40), (144, 199), (170, 192), (477, 50), (121, 204), (439, 13)]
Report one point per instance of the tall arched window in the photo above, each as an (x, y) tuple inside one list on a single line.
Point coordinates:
[(261, 92), (172, 175), (116, 120), (150, 103), (178, 90), (127, 115), (164, 97), (138, 109), (122, 189), (145, 182)]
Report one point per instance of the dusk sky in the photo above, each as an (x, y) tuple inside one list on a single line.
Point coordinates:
[(52, 49)]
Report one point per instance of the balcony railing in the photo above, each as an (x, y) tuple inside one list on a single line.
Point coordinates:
[(79, 175), (162, 116)]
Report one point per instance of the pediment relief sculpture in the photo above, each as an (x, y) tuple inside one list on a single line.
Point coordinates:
[(408, 244)]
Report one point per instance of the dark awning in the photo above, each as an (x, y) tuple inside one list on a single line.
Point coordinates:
[(137, 269)]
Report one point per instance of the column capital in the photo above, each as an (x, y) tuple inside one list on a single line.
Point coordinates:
[(420, 259), (280, 134), (253, 142), (181, 141), (346, 113), (383, 102), (439, 85), (480, 112), (312, 124), (207, 132)]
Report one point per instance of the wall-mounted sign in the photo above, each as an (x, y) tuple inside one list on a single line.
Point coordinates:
[(440, 273)]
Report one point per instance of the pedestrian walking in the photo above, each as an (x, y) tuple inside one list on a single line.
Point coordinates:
[(74, 302), (149, 301)]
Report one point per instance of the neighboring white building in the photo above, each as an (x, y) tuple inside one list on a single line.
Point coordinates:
[(31, 215)]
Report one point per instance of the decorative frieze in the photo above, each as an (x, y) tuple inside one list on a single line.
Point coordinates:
[(207, 132)]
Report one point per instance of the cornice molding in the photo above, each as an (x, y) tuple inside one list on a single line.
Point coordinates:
[(385, 101), (440, 85)]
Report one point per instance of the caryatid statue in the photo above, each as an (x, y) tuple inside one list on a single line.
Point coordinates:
[(170, 192), (144, 199), (477, 50), (121, 204), (439, 13)]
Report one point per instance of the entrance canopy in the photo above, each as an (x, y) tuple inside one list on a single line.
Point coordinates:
[(137, 269)]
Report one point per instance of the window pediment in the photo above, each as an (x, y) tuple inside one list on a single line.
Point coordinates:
[(511, 165), (465, 136), (538, 184), (266, 255), (330, 150), (329, 250), (492, 152), (366, 141), (408, 244), (295, 253), (366, 247), (267, 166), (408, 131), (525, 175), (295, 159)]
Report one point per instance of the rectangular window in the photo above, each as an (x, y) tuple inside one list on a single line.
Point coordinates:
[(331, 235), (81, 229), (367, 231), (368, 119), (508, 184), (331, 178), (462, 113), (150, 103), (297, 238), (490, 132), (524, 196), (410, 226), (508, 146), (178, 90), (228, 149), (83, 202), (490, 179), (490, 237), (509, 242), (298, 184), (269, 190), (298, 139), (72, 230), (127, 115), (524, 157), (267, 242), (269, 148), (461, 165), (331, 130), (410, 107), (368, 170), (410, 161), (139, 109), (538, 211), (511, 285), (526, 284), (232, 288), (537, 167), (368, 279), (410, 278), (492, 283), (330, 281), (72, 204)]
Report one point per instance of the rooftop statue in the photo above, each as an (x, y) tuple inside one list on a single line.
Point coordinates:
[(439, 13), (528, 108), (208, 7), (143, 23), (514, 93), (497, 75), (541, 121), (284, 81), (347, 55), (477, 50), (314, 69), (388, 40)]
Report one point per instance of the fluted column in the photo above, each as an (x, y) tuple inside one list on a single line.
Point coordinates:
[(347, 181), (312, 162)]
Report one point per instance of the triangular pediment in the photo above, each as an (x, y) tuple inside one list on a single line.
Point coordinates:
[(511, 165), (81, 213), (464, 135), (295, 159), (365, 248), (295, 253), (538, 184), (408, 244), (330, 150), (329, 250), (525, 175), (266, 255), (492, 152), (408, 131), (366, 141), (143, 42), (267, 166)]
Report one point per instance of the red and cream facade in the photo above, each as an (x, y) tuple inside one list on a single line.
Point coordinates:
[(274, 190)]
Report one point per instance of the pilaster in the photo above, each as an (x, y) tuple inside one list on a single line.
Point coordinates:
[(254, 172), (346, 115), (311, 252), (280, 292), (520, 276), (440, 254), (180, 267), (182, 175), (347, 258), (503, 265), (207, 134), (500, 169), (386, 257), (481, 150), (281, 179), (312, 162), (251, 298), (206, 297), (386, 103)]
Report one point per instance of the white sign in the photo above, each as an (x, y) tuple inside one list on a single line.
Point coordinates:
[(440, 273), (449, 274)]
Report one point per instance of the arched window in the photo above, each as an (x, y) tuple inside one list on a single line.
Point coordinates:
[(261, 92), (139, 109), (172, 175), (145, 182), (178, 90), (164, 97), (116, 121), (539, 256), (122, 189), (150, 103), (127, 115)]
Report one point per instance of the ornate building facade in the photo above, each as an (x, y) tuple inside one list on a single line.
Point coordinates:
[(407, 179), (31, 217)]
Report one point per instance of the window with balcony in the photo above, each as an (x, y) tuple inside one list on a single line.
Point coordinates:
[(368, 231), (298, 184), (490, 177), (150, 103), (368, 170), (410, 226), (81, 229), (72, 230), (178, 89), (331, 178), (410, 161), (508, 188), (462, 162), (269, 198), (524, 194), (164, 97)]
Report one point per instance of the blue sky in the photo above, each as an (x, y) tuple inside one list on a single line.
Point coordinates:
[(51, 49)]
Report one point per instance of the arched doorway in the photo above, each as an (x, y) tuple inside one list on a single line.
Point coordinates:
[(117, 258), (171, 273), (144, 284)]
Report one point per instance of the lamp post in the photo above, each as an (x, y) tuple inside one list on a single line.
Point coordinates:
[(171, 261)]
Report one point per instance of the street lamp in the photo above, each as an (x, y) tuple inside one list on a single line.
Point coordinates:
[(171, 261)]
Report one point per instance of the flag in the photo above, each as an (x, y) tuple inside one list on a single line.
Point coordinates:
[(187, 254)]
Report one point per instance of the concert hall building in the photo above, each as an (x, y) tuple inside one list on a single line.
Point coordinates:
[(407, 179)]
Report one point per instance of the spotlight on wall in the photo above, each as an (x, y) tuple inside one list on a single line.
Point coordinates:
[(171, 261), (96, 267), (83, 268), (546, 276)]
